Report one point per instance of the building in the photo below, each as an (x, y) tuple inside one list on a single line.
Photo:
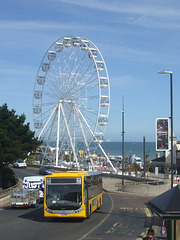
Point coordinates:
[(163, 161)]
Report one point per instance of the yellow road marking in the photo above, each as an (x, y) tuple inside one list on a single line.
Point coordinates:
[(148, 214)]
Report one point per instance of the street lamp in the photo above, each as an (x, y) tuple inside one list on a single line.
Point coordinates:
[(122, 143), (171, 98)]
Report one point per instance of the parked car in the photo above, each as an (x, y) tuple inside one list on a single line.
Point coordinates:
[(46, 170), (19, 164)]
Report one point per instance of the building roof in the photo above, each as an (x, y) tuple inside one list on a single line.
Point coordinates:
[(167, 204), (158, 161)]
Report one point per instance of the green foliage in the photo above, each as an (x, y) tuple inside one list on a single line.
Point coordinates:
[(128, 169), (147, 155), (135, 167), (31, 158), (148, 165), (8, 177), (16, 138), (66, 158), (45, 162)]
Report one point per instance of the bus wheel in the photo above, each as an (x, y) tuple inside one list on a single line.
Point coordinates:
[(99, 204), (87, 211), (90, 210)]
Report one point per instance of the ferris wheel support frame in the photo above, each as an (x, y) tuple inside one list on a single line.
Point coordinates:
[(74, 136), (98, 143), (67, 128), (63, 137), (45, 125), (57, 140), (84, 136), (50, 131)]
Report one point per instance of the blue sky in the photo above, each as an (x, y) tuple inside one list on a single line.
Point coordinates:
[(136, 38)]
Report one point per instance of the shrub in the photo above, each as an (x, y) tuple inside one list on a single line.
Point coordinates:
[(8, 177)]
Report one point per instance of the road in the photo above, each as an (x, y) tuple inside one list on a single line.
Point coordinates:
[(122, 216), (126, 221)]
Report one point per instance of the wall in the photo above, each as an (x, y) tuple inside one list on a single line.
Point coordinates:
[(111, 184)]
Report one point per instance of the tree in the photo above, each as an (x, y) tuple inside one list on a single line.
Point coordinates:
[(135, 167), (147, 155), (128, 169), (148, 165), (16, 138)]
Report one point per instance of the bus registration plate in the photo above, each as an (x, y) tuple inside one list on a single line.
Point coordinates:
[(63, 214)]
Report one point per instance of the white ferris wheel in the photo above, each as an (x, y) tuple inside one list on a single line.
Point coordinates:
[(71, 98)]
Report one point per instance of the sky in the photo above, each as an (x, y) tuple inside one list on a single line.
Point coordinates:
[(136, 39)]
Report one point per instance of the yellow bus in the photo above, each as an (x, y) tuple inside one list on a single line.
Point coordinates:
[(72, 194)]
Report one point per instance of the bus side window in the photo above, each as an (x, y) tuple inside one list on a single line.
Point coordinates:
[(85, 193)]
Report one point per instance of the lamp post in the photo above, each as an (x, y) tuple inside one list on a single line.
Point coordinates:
[(171, 99), (144, 155), (122, 142)]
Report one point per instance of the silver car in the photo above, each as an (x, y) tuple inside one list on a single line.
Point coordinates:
[(46, 170)]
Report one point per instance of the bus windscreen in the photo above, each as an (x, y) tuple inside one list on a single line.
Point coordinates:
[(64, 197)]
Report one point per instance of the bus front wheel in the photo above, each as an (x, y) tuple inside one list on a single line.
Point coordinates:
[(99, 204), (88, 212)]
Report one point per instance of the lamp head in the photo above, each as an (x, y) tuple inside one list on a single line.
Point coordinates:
[(165, 72)]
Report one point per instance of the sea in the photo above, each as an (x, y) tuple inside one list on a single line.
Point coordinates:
[(130, 149)]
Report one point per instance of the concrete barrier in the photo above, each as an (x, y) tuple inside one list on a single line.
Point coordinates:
[(111, 184), (4, 201), (148, 188), (4, 198)]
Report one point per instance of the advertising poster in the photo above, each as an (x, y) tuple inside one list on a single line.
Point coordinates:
[(162, 134)]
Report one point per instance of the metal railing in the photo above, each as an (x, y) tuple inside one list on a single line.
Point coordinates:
[(6, 191)]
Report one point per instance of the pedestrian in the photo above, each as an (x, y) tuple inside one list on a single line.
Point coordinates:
[(150, 235)]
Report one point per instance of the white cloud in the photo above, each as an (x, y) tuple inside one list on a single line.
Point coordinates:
[(32, 25), (44, 27), (35, 33), (9, 68), (148, 8), (144, 21), (150, 14)]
